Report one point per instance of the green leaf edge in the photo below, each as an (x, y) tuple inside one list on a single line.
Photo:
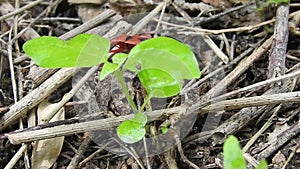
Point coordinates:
[(232, 143)]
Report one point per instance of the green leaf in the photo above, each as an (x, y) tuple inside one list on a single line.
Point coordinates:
[(109, 68), (162, 64), (278, 1), (119, 58), (140, 118), (165, 54), (164, 129), (131, 131), (83, 50), (159, 83), (233, 155), (262, 165)]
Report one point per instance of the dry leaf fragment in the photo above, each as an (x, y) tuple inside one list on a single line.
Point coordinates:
[(279, 129), (88, 9), (220, 4), (130, 7), (45, 152), (294, 24), (279, 159)]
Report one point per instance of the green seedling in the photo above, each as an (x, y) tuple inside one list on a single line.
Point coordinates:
[(278, 1), (233, 155), (160, 63), (164, 129)]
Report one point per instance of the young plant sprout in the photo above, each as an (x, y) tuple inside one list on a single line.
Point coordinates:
[(161, 64)]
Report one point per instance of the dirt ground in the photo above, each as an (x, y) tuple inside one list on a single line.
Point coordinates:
[(248, 53)]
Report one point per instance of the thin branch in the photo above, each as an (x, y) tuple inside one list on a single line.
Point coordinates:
[(238, 29), (279, 46), (15, 12), (253, 101), (40, 132)]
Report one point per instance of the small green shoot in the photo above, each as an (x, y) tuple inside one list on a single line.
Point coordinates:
[(164, 129), (233, 155), (161, 64)]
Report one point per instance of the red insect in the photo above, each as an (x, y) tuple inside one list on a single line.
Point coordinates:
[(125, 43)]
